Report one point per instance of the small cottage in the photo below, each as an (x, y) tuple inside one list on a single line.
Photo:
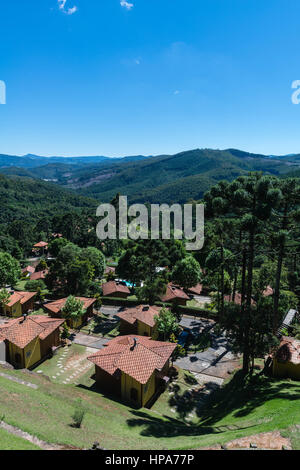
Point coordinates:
[(134, 368)]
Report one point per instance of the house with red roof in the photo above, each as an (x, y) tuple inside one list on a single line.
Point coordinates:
[(134, 368), (40, 247), (54, 310), (175, 295), (28, 270), (115, 289), (29, 340), (195, 290), (238, 296), (139, 320), (286, 360), (20, 302), (40, 275)]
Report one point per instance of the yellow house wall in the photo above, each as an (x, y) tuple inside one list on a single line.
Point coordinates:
[(148, 390), (32, 353), (286, 370), (127, 383), (14, 311), (13, 350), (142, 329), (29, 355)]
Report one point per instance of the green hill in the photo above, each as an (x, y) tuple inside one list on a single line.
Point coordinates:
[(237, 410), (172, 178), (25, 198)]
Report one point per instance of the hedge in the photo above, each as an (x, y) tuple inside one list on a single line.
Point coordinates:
[(119, 301), (197, 312)]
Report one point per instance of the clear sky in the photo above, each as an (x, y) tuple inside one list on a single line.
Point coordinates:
[(111, 77)]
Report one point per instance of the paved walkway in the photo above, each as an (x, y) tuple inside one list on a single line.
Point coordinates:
[(90, 341), (19, 381), (216, 361)]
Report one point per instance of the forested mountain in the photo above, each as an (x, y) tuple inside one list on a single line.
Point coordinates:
[(165, 178), (28, 199), (174, 178)]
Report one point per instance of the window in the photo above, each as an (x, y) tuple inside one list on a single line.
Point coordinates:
[(134, 394)]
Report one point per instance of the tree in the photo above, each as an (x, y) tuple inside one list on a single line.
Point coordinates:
[(56, 245), (98, 303), (166, 323), (73, 308), (96, 259), (10, 270), (250, 200), (4, 297), (290, 200), (152, 290), (40, 296), (33, 286), (187, 272), (70, 272)]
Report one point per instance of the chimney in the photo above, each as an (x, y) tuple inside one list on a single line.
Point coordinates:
[(145, 308), (135, 343), (24, 317)]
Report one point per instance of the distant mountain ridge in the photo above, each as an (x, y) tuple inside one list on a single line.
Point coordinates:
[(32, 161), (156, 179)]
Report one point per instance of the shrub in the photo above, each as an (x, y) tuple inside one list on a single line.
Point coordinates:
[(78, 415)]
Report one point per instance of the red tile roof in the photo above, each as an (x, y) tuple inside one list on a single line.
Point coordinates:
[(289, 350), (143, 313), (112, 287), (139, 362), (173, 293), (39, 275), (40, 245), (57, 305), (196, 289), (28, 269), (268, 291), (21, 332), (109, 269), (20, 296), (237, 299)]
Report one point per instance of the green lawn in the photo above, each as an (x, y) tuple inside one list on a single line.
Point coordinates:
[(9, 441), (72, 360), (101, 325), (237, 410)]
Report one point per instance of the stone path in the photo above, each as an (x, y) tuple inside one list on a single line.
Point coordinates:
[(69, 370), (19, 381), (34, 440)]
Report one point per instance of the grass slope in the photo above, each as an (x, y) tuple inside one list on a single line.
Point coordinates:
[(236, 411), (10, 442)]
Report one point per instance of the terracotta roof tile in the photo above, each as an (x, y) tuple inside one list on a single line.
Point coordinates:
[(20, 296), (39, 275), (195, 289), (40, 245), (57, 305), (139, 361), (113, 287), (173, 293), (21, 332), (289, 350), (144, 313)]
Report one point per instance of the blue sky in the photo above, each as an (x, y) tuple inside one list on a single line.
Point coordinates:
[(104, 77)]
